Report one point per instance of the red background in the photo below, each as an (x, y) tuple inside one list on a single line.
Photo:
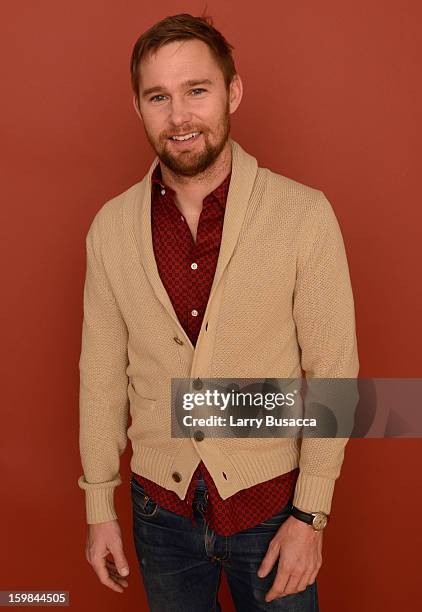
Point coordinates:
[(332, 99)]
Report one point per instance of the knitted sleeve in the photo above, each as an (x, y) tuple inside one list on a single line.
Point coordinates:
[(103, 399), (323, 310)]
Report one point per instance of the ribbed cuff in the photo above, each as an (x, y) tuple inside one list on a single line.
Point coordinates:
[(99, 502), (313, 493)]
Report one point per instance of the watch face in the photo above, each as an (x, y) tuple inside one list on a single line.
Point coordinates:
[(320, 521)]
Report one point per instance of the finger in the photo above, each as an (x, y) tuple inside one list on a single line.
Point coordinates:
[(116, 576), (111, 566), (315, 570), (101, 570), (279, 583), (305, 581), (119, 558), (313, 576), (269, 560), (291, 585), (119, 580)]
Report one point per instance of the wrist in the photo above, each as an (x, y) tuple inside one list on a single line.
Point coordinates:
[(318, 520)]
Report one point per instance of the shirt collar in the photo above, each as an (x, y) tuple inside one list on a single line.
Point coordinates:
[(219, 193)]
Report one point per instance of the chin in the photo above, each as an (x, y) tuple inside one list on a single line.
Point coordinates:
[(185, 161)]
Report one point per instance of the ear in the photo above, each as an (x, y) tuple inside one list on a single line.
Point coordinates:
[(136, 107), (236, 92)]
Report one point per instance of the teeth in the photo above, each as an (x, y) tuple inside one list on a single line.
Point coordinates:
[(185, 137)]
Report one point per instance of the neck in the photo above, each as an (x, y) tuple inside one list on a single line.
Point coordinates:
[(195, 188)]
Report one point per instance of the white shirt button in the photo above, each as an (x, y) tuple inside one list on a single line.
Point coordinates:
[(194, 266), (163, 191), (194, 313)]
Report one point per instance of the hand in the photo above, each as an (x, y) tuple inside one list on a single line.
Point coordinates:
[(106, 539), (300, 550)]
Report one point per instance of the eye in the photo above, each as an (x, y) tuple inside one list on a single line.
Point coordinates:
[(199, 89), (156, 96)]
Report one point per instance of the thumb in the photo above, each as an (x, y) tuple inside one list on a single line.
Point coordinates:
[(120, 560)]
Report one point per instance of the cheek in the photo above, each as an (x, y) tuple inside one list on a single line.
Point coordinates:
[(155, 120), (217, 116), (210, 118)]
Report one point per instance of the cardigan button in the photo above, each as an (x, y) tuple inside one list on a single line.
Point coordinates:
[(199, 435), (197, 383), (176, 476), (178, 340)]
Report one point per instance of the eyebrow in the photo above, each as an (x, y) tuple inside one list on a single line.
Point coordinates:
[(189, 83)]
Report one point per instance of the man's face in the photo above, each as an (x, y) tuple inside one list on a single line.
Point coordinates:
[(169, 105)]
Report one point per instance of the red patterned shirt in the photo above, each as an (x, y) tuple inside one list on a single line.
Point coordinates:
[(188, 288)]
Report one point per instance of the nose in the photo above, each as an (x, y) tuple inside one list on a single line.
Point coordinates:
[(179, 112)]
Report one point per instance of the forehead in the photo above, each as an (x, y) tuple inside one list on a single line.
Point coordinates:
[(178, 61)]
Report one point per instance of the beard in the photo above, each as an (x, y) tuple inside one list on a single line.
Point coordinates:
[(193, 162)]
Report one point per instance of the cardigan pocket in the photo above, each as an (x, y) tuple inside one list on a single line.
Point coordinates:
[(147, 418)]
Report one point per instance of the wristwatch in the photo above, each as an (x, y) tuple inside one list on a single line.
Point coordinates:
[(318, 520)]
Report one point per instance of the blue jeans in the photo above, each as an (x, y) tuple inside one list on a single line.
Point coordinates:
[(181, 564)]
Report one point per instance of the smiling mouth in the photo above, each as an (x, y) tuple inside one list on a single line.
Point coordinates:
[(185, 137)]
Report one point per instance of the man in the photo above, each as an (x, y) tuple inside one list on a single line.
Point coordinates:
[(210, 266)]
